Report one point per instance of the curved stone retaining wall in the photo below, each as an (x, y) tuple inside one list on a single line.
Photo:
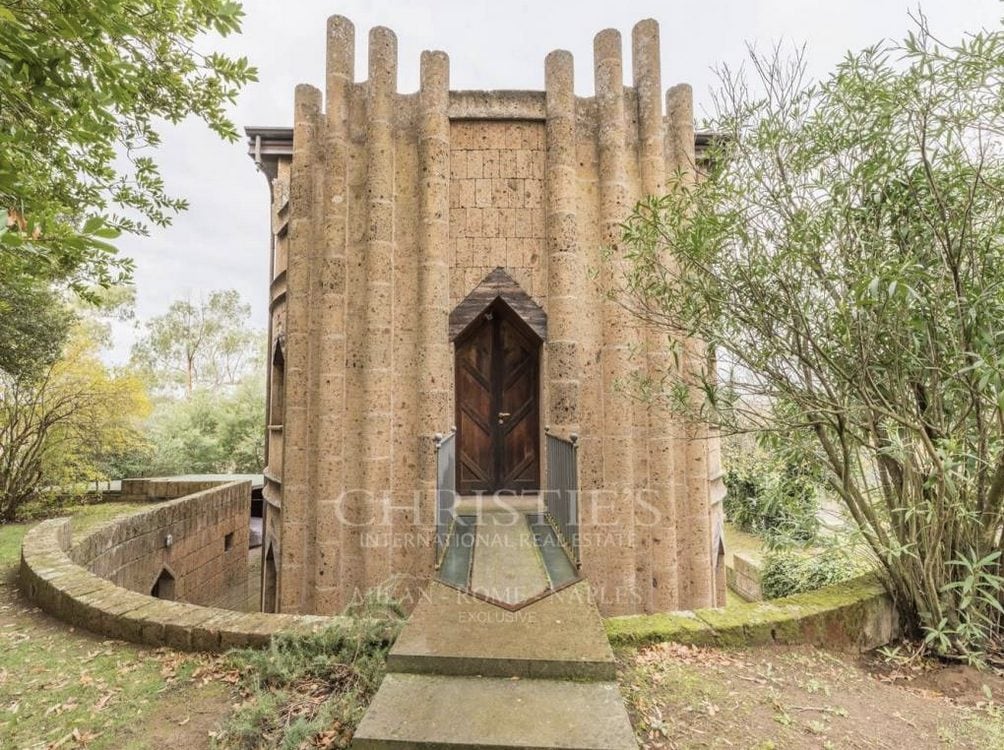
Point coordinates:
[(857, 615), (52, 577), (200, 540)]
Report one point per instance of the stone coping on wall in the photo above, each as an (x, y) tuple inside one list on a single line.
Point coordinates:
[(68, 591), (857, 615), (156, 489)]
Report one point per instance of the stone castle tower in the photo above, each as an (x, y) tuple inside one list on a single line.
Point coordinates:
[(413, 236)]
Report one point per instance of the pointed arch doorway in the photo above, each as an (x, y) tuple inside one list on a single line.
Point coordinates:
[(498, 331)]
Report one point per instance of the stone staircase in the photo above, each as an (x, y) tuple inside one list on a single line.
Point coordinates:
[(465, 673)]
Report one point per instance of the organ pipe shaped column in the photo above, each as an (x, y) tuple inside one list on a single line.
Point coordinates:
[(434, 382), (618, 430), (564, 265), (645, 60), (693, 519), (659, 565), (329, 434), (297, 510), (378, 352)]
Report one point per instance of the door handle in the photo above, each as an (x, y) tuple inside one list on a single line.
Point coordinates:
[(503, 416)]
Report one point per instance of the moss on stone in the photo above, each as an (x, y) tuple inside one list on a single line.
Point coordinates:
[(857, 613), (753, 624), (636, 630)]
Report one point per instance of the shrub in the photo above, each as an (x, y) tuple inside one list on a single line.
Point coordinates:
[(312, 690), (842, 261), (788, 571), (54, 501), (778, 504)]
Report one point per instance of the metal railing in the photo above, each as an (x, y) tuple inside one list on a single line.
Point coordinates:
[(561, 496), (446, 487)]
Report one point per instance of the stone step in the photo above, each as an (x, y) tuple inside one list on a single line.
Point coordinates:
[(453, 633), (433, 711), (530, 502)]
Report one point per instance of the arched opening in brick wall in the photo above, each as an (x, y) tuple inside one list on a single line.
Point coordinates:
[(164, 586), (268, 585)]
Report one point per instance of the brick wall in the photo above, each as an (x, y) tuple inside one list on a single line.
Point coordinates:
[(496, 203), (70, 592), (131, 552), (744, 577)]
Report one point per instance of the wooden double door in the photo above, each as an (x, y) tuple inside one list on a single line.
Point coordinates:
[(497, 398)]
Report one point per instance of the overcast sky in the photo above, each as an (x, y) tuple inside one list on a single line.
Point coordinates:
[(222, 241)]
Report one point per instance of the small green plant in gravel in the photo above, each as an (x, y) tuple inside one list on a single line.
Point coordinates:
[(312, 689)]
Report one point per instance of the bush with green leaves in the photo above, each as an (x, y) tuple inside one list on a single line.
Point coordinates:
[(776, 503), (208, 433), (84, 90), (843, 259), (788, 571)]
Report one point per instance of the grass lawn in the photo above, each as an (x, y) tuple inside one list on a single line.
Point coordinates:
[(65, 688)]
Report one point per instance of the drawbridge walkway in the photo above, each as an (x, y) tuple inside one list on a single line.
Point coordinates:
[(518, 660)]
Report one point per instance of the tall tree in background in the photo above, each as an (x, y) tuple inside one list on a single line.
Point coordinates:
[(82, 88), (209, 433), (206, 353), (62, 424), (34, 325), (845, 260), (200, 345)]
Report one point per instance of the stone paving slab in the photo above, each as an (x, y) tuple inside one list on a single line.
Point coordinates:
[(507, 565), (475, 504), (429, 711), (560, 636)]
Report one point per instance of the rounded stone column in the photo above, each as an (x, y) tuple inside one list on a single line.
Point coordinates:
[(435, 372), (377, 361), (656, 523), (646, 65), (296, 549), (613, 512), (693, 510), (564, 265), (329, 435)]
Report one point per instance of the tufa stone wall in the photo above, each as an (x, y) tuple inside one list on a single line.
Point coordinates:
[(388, 209), (70, 592), (497, 204), (857, 615), (208, 555), (162, 488), (743, 577)]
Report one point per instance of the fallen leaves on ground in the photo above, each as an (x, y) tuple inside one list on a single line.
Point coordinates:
[(684, 654)]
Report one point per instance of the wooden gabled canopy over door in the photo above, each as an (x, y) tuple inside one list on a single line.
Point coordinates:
[(498, 417)]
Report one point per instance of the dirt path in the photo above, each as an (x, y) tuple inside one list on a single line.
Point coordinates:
[(182, 719), (768, 699)]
